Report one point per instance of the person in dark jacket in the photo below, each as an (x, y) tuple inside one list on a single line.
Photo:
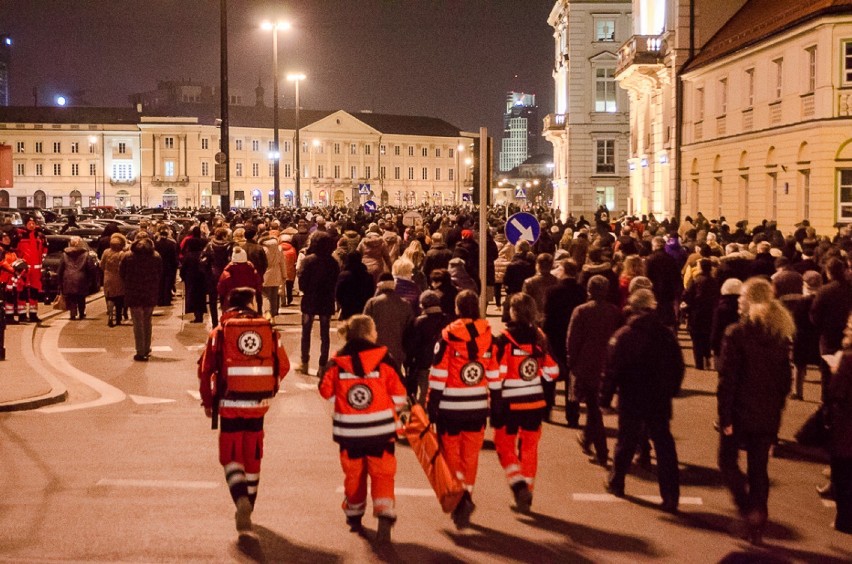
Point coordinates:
[(77, 275), (754, 380), (840, 443), (214, 259), (591, 326), (598, 264), (831, 307), (664, 272), (167, 248), (256, 252), (140, 270), (354, 286), (192, 274), (441, 282), (646, 364), (419, 344), (392, 315), (518, 270), (700, 302), (438, 255), (103, 240), (763, 263), (317, 279), (726, 313), (560, 301), (806, 341)]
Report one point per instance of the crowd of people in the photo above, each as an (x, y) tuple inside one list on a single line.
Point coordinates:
[(595, 303)]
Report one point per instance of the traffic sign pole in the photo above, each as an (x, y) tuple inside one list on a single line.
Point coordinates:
[(484, 175)]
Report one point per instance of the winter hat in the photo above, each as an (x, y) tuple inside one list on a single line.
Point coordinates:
[(732, 287), (239, 255), (642, 299), (467, 234), (639, 283), (430, 298), (386, 282), (286, 238), (813, 280)]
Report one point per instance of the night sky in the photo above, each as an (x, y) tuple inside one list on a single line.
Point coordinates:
[(452, 59)]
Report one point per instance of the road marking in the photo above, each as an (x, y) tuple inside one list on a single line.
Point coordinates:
[(171, 484), (108, 394), (195, 347), (291, 330), (195, 394), (408, 492), (598, 497), (160, 348), (829, 503), (73, 350), (306, 386), (144, 400), (682, 501)]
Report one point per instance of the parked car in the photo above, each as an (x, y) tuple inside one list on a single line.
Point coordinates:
[(56, 245)]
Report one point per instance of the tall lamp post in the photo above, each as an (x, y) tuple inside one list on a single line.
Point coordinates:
[(297, 78), (276, 180)]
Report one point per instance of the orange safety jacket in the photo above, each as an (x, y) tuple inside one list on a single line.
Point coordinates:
[(463, 371), (523, 365), (242, 365), (367, 392)]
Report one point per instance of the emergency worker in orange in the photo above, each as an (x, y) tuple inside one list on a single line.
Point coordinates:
[(464, 373), (525, 361), (364, 382), (239, 371)]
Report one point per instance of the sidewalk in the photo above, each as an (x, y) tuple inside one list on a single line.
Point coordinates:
[(25, 383)]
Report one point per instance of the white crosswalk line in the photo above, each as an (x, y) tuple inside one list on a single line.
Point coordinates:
[(144, 400), (195, 347), (682, 501), (596, 497), (195, 394), (165, 484), (306, 386), (158, 348)]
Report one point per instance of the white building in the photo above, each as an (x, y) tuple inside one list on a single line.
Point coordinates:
[(589, 128), (521, 130), (768, 117), (119, 157)]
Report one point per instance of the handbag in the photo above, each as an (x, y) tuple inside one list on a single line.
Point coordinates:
[(59, 303)]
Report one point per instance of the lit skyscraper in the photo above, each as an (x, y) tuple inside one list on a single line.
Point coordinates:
[(521, 130), (5, 58)]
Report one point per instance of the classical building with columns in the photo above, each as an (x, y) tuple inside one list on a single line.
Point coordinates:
[(165, 157)]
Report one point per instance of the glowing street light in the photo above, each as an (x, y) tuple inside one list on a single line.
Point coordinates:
[(61, 100)]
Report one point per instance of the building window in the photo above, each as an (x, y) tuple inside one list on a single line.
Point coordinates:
[(304, 146), (238, 169), (367, 149), (91, 148), (19, 147), (452, 153), (75, 147), (57, 169), (75, 169), (285, 146), (437, 152), (811, 52), (844, 207), (353, 149), (93, 169), (605, 196), (353, 172), (39, 169), (437, 174), (255, 145), (367, 172), (396, 173), (424, 151), (424, 173), (337, 148), (20, 169), (723, 96), (168, 169), (123, 170), (396, 149), (122, 148), (57, 147), (411, 173), (336, 171), (255, 169), (699, 104), (38, 146), (749, 88), (382, 171), (604, 29), (779, 77), (319, 148), (847, 62), (382, 149), (271, 169), (451, 173), (238, 144), (605, 90), (169, 142), (605, 156), (320, 171), (205, 143), (287, 170), (205, 168), (411, 151)]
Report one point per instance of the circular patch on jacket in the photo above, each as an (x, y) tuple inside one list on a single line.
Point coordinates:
[(249, 343), (528, 369), (472, 373), (360, 396)]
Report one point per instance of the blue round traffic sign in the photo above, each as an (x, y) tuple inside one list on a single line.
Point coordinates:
[(370, 206), (522, 226)]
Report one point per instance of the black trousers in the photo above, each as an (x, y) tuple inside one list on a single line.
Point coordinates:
[(629, 435), (841, 479), (594, 432), (750, 490)]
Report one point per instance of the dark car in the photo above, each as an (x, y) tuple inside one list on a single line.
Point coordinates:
[(56, 244)]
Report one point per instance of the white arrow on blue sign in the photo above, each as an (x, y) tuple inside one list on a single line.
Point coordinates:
[(364, 189), (522, 227), (520, 193), (370, 206), (466, 197)]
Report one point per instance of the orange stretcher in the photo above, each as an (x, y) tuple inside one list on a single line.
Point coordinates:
[(424, 443)]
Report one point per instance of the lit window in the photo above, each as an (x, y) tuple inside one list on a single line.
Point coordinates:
[(847, 62), (382, 149), (605, 196), (605, 156), (844, 207), (19, 147), (169, 169), (604, 29), (605, 90), (123, 170)]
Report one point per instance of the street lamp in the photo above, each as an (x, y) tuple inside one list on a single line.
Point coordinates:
[(297, 78), (276, 181)]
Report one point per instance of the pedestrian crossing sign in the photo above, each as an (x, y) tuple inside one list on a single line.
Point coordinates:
[(520, 193)]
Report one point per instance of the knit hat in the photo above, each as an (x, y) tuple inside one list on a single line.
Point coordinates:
[(731, 287), (239, 255), (813, 280), (639, 283), (467, 234), (430, 298)]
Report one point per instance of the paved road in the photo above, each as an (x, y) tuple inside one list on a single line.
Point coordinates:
[(126, 470)]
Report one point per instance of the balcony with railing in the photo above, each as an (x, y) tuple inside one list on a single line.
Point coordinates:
[(641, 50), (555, 122)]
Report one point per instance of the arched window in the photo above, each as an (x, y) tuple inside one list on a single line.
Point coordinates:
[(40, 199), (4, 199), (76, 198), (339, 198), (288, 198), (170, 198), (256, 198)]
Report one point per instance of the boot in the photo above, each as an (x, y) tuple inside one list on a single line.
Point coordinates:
[(523, 496), (243, 515), (383, 535), (22, 318), (34, 317), (461, 514), (354, 522)]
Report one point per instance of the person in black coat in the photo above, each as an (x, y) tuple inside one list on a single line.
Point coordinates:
[(355, 285), (645, 362), (419, 340), (840, 443), (700, 302), (517, 272), (168, 250), (831, 307), (103, 240), (193, 276), (754, 380), (77, 275), (214, 258), (441, 282), (667, 283), (318, 281), (726, 313), (438, 255)]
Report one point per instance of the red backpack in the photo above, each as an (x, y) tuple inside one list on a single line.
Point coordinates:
[(249, 358)]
